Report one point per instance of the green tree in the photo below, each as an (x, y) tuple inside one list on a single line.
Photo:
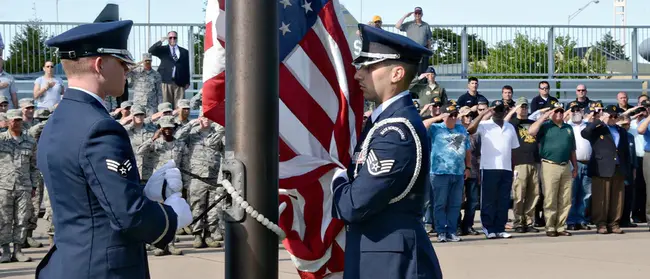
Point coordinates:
[(28, 52), (525, 55), (611, 47), (448, 47)]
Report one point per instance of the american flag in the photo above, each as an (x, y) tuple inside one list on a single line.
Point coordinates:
[(321, 108)]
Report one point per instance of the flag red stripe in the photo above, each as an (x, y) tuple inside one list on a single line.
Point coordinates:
[(286, 153), (305, 108), (207, 39), (335, 30), (314, 48), (214, 98)]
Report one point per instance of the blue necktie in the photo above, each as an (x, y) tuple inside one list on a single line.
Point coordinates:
[(174, 54)]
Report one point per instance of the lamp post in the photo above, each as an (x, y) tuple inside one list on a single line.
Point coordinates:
[(572, 16)]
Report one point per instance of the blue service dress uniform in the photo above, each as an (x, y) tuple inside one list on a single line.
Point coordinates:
[(102, 217), (387, 240)]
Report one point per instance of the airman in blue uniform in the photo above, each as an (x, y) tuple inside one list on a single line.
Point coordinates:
[(381, 195), (103, 216)]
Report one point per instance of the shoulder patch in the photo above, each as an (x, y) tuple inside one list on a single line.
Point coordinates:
[(376, 166), (122, 169), (396, 129)]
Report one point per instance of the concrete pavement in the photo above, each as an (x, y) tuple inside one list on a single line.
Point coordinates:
[(530, 256)]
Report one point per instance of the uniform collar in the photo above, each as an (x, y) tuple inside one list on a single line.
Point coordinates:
[(91, 94), (386, 104)]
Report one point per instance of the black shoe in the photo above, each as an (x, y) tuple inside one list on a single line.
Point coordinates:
[(539, 224), (520, 230), (531, 229), (472, 231), (628, 225), (573, 227), (551, 234), (585, 226)]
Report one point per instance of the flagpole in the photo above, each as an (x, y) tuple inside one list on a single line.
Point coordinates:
[(252, 133)]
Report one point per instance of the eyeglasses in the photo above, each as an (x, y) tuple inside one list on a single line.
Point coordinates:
[(581, 90), (543, 88), (173, 38), (378, 22), (575, 109)]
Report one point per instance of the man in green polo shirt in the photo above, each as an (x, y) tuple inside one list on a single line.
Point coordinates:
[(557, 149)]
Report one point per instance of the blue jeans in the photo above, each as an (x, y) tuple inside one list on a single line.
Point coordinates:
[(580, 196), (428, 206), (496, 186), (471, 203), (448, 195)]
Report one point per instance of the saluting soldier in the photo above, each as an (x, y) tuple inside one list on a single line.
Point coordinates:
[(164, 147), (428, 88), (19, 174), (381, 195), (40, 115), (205, 150), (139, 132), (146, 85), (27, 107), (183, 112), (103, 216)]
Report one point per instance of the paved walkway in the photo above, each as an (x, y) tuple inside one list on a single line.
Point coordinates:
[(530, 256)]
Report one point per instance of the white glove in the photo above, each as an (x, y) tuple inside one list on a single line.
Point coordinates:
[(181, 208), (515, 174), (339, 173), (169, 173)]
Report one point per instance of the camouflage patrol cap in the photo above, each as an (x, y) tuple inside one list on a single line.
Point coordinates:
[(146, 56), (126, 104), (14, 114), (183, 103), (167, 121), (165, 107), (26, 102), (137, 109), (42, 113), (3, 99)]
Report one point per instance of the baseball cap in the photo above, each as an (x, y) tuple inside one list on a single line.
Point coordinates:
[(26, 102), (430, 70), (436, 101), (521, 101), (612, 109), (167, 121), (417, 10), (183, 103), (448, 108), (126, 104), (3, 99), (137, 109), (482, 101), (572, 105), (14, 114), (165, 107), (376, 18), (146, 56)]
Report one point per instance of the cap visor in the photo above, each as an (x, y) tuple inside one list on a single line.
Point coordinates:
[(126, 59)]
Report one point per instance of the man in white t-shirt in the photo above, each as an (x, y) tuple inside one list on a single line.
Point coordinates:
[(498, 139)]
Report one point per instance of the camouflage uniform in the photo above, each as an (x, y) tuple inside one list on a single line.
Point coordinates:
[(123, 105), (18, 175), (205, 153), (165, 107), (138, 136), (182, 104), (147, 88), (25, 103), (161, 152), (41, 116), (196, 102), (3, 121)]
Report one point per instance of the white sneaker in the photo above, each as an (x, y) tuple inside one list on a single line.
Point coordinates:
[(491, 236), (453, 238), (504, 235), (442, 237)]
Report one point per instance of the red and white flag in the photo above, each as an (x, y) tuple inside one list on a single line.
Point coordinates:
[(321, 109)]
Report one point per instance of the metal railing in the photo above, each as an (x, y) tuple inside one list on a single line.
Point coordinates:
[(460, 51)]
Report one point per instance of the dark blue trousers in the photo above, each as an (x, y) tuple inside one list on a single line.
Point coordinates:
[(495, 199)]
